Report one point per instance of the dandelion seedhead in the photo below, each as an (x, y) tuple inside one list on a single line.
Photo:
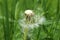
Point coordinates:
[(30, 21)]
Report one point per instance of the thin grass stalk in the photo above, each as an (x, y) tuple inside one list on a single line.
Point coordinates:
[(35, 4), (57, 13), (13, 5), (20, 6), (38, 35), (6, 21), (2, 19), (43, 5), (58, 16)]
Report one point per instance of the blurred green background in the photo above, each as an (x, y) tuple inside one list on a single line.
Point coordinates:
[(12, 10)]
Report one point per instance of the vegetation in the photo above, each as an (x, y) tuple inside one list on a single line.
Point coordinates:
[(13, 10)]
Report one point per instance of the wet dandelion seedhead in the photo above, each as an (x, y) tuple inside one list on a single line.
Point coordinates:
[(31, 20)]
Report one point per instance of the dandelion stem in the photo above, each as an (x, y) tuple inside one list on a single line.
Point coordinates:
[(25, 33)]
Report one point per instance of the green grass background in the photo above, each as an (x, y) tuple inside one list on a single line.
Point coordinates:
[(11, 11)]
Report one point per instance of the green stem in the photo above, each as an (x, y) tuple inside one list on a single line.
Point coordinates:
[(6, 21), (25, 33)]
